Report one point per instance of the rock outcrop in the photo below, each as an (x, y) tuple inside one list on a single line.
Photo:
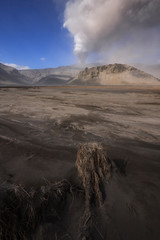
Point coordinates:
[(113, 74)]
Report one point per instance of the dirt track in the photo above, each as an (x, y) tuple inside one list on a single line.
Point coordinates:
[(42, 128)]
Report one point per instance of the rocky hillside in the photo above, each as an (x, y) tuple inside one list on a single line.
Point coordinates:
[(113, 74), (11, 77)]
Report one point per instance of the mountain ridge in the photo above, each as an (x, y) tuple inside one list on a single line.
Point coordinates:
[(37, 74), (110, 74), (113, 74), (11, 76)]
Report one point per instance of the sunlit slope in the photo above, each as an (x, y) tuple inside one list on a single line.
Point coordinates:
[(113, 74)]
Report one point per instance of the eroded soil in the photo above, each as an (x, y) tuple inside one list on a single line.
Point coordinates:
[(42, 128)]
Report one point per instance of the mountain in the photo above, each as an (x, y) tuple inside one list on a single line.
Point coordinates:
[(11, 77), (113, 74), (52, 80), (151, 69), (45, 76), (64, 73)]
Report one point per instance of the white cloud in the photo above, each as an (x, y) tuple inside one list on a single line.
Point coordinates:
[(42, 59), (18, 67)]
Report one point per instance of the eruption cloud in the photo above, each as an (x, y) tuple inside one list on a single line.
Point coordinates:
[(99, 26)]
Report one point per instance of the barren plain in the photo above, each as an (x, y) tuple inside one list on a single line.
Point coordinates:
[(41, 129)]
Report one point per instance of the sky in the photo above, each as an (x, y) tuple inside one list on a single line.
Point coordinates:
[(32, 34), (51, 33)]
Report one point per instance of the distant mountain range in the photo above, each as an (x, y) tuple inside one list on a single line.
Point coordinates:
[(11, 76), (76, 74), (64, 73), (52, 80)]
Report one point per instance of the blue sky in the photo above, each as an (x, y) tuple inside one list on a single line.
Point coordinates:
[(32, 33)]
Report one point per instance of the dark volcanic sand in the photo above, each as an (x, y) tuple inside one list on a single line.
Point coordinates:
[(42, 128)]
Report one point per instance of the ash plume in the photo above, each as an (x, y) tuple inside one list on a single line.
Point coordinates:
[(107, 26)]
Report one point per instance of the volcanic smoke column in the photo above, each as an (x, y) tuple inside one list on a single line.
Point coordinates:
[(80, 41), (75, 21), (124, 27), (79, 47), (90, 22)]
